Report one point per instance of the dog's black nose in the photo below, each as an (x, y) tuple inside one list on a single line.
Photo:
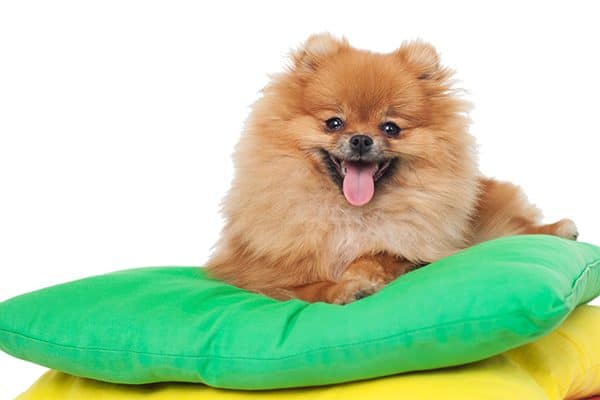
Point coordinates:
[(361, 144)]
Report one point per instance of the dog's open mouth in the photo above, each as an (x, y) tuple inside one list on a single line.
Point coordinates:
[(357, 179)]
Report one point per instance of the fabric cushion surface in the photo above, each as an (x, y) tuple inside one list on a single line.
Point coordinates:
[(174, 324), (562, 365)]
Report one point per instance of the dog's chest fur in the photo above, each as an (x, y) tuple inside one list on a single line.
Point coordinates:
[(404, 232)]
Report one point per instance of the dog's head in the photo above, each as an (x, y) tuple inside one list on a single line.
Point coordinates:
[(364, 121)]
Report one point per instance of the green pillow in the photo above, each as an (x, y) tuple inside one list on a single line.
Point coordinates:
[(175, 324)]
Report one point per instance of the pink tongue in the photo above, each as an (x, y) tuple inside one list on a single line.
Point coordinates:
[(359, 185)]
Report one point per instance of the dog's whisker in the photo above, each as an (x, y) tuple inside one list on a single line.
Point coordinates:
[(404, 154)]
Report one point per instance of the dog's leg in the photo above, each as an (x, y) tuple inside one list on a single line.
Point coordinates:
[(504, 210), (363, 277), (564, 228)]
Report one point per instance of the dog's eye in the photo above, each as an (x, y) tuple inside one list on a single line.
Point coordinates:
[(334, 124), (390, 128)]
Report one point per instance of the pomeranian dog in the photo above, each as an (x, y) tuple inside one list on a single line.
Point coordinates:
[(354, 168)]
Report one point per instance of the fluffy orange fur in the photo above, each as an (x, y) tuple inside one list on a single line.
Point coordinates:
[(289, 230)]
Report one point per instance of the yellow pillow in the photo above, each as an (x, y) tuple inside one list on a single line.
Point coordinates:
[(562, 365)]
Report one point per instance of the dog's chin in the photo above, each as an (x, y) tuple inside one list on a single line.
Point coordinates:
[(358, 179)]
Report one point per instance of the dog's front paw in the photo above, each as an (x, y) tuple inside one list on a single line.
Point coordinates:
[(355, 289)]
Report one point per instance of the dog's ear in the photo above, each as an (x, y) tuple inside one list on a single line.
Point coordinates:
[(316, 48), (422, 57)]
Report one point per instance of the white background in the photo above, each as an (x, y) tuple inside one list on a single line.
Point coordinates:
[(118, 118)]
